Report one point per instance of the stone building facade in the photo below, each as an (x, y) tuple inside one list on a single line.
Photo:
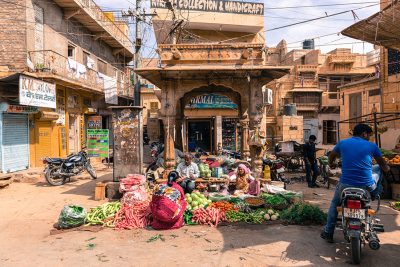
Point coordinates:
[(75, 47), (211, 77)]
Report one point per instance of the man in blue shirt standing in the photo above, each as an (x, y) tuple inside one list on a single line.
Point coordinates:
[(356, 154)]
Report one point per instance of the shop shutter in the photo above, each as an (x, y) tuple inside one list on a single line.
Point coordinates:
[(43, 141), (15, 142)]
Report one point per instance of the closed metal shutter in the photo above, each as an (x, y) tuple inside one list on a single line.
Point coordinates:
[(15, 142), (43, 141)]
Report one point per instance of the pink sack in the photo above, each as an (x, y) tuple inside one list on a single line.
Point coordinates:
[(129, 183), (167, 210), (254, 188)]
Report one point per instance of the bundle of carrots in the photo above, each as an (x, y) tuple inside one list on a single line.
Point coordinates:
[(210, 216), (224, 206), (133, 216)]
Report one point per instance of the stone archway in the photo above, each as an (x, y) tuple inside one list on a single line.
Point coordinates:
[(212, 103)]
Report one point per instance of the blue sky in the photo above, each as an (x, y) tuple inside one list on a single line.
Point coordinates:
[(293, 35)]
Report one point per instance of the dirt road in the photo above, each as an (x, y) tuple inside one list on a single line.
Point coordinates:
[(28, 212)]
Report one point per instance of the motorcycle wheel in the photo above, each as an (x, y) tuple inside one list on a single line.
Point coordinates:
[(356, 250), (52, 180), (91, 171)]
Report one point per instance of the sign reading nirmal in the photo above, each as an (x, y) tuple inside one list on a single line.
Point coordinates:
[(37, 93), (214, 6)]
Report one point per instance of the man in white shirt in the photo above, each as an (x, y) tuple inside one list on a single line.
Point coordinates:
[(188, 172)]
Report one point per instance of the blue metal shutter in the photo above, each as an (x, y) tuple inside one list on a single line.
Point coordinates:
[(15, 149)]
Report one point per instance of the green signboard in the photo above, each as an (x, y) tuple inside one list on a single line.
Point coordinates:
[(98, 143)]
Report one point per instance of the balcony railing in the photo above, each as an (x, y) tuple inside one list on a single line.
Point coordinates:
[(305, 83), (50, 64), (341, 59), (306, 68), (307, 106), (330, 99), (96, 13)]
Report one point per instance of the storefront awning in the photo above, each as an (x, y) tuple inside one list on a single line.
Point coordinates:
[(380, 29), (265, 74)]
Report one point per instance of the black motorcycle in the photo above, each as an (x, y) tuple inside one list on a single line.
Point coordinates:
[(358, 222), (58, 170)]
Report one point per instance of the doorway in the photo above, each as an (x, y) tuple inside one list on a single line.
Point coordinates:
[(43, 141), (73, 134), (199, 135)]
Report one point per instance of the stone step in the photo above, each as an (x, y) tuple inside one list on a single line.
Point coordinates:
[(5, 180)]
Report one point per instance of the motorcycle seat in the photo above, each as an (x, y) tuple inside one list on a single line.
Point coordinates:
[(54, 160)]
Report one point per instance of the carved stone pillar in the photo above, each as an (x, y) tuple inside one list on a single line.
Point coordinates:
[(257, 150), (244, 146), (169, 147)]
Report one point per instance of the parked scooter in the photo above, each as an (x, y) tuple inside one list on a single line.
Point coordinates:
[(58, 170)]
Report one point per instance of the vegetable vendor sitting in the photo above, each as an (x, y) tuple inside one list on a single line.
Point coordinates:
[(245, 182), (188, 172)]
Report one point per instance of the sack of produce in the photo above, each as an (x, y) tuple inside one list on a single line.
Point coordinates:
[(71, 216), (167, 206), (131, 182)]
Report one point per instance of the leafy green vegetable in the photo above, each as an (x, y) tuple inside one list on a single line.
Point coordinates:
[(386, 153), (256, 217), (156, 237), (303, 213)]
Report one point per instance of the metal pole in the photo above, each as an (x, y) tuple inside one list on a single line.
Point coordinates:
[(138, 45), (376, 130)]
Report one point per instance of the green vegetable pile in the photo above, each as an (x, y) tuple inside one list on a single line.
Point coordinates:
[(397, 205), (196, 200), (71, 216), (204, 171), (386, 153), (275, 201), (256, 217), (304, 214), (187, 216), (243, 207), (103, 214)]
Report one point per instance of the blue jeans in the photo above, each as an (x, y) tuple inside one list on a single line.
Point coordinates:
[(332, 212), (312, 167)]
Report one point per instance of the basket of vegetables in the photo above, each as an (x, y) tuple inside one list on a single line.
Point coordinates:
[(255, 202)]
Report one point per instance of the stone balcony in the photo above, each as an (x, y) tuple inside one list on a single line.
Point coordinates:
[(48, 64), (330, 99), (239, 53), (341, 59), (113, 32), (306, 68), (307, 106), (305, 83)]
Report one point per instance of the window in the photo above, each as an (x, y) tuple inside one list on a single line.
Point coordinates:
[(307, 98), (329, 132), (102, 66), (393, 61), (71, 51), (374, 92)]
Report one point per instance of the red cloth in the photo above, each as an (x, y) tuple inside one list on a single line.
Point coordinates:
[(166, 213)]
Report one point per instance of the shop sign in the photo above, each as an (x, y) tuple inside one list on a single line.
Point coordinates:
[(98, 143), (223, 6), (22, 109), (95, 122), (37, 93), (211, 101)]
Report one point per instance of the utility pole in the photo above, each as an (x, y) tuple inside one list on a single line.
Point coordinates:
[(138, 17)]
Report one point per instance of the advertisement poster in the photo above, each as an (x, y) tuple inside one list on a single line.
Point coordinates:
[(98, 143), (37, 93), (94, 122)]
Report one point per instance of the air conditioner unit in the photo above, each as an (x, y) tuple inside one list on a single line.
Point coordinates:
[(267, 96)]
